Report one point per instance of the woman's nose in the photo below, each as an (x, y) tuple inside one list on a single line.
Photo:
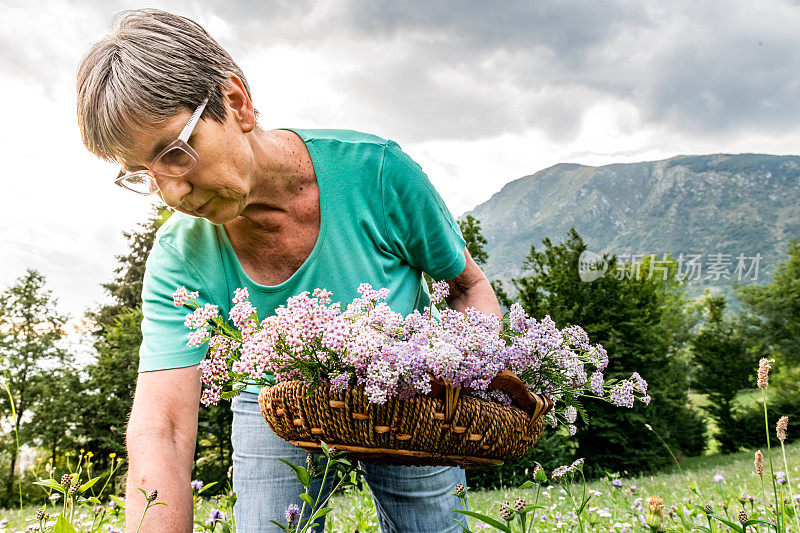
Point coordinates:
[(172, 189)]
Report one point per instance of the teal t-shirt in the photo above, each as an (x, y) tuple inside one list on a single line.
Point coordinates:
[(381, 222)]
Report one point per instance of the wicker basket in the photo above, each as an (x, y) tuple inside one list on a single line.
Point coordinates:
[(421, 430)]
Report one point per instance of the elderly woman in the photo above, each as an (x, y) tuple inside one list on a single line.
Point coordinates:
[(276, 211)]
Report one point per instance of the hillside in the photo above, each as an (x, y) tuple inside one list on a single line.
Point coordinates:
[(712, 204)]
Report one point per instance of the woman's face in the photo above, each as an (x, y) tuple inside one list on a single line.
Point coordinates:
[(218, 187)]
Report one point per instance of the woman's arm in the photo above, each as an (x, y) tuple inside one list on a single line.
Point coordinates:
[(472, 289)]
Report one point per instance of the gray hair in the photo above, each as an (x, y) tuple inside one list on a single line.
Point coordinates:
[(153, 65)]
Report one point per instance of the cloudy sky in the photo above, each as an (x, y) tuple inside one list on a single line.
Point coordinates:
[(479, 93)]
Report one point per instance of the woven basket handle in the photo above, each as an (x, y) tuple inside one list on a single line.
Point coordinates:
[(535, 405)]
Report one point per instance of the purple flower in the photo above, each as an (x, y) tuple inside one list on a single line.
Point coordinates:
[(292, 513), (780, 478), (617, 482), (197, 484), (215, 516), (719, 478)]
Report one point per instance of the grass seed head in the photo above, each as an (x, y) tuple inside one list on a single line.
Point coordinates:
[(782, 427), (758, 462)]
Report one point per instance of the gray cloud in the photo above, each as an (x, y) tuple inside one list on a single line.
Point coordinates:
[(472, 69)]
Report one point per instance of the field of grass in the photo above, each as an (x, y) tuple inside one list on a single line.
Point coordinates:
[(616, 504), (623, 508)]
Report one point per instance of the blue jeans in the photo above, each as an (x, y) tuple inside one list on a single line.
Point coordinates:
[(408, 499)]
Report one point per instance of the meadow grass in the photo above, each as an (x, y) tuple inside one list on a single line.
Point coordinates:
[(611, 508)]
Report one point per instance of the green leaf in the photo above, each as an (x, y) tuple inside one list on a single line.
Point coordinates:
[(88, 484), (120, 503), (302, 474), (733, 525), (306, 498), (321, 512), (51, 484), (531, 507), (486, 519), (527, 485), (63, 526), (284, 528), (206, 487), (580, 509)]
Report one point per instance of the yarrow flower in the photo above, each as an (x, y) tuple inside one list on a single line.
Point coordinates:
[(181, 296), (366, 344)]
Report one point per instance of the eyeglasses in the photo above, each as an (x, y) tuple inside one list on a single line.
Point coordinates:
[(177, 159)]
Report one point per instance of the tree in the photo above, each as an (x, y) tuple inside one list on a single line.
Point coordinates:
[(30, 328), (126, 287), (471, 231), (773, 310), (723, 367), (641, 322), (55, 415)]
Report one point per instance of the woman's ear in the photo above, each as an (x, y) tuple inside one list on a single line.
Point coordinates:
[(239, 103)]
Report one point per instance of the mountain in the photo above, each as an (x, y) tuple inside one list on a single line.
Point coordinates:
[(725, 208)]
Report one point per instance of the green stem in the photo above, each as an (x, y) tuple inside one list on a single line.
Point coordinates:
[(789, 483), (769, 453), (146, 507)]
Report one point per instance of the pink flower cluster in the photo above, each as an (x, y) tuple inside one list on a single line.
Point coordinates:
[(393, 356)]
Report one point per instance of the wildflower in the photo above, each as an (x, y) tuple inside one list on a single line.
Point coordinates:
[(719, 478), (759, 463), (40, 514), (742, 517), (460, 490), (292, 513), (617, 482), (782, 427), (196, 484), (780, 478), (66, 480), (215, 516), (571, 414), (152, 496), (520, 504), (112, 455), (708, 509), (440, 291), (506, 512), (763, 372), (655, 512)]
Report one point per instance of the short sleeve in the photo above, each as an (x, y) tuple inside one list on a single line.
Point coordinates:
[(164, 333), (420, 228)]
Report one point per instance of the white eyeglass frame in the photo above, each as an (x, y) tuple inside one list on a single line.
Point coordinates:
[(181, 143)]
